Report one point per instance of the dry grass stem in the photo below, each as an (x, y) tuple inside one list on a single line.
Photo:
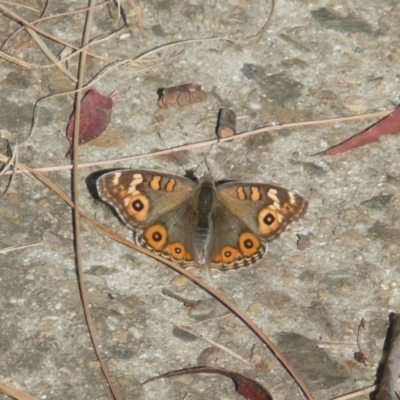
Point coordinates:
[(215, 344), (49, 54), (11, 391), (205, 143), (16, 247)]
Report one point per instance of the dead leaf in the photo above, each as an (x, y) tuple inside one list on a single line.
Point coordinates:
[(181, 95), (389, 125), (95, 117), (248, 388)]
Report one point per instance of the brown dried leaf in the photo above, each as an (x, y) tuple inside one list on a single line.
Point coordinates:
[(180, 95), (248, 388), (95, 117), (389, 125)]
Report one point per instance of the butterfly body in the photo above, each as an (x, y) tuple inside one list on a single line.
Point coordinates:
[(223, 225)]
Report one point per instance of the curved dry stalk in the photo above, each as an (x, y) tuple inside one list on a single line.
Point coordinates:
[(21, 28), (50, 55), (42, 19), (198, 281), (11, 391), (26, 23), (139, 15), (261, 32), (77, 223), (215, 344)]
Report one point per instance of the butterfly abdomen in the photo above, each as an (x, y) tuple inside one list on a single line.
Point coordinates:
[(204, 206)]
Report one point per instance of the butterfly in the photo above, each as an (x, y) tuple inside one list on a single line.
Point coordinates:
[(223, 225)]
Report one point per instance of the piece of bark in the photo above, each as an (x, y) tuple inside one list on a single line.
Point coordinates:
[(226, 123), (181, 95)]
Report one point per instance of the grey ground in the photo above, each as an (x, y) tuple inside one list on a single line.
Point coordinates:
[(318, 59)]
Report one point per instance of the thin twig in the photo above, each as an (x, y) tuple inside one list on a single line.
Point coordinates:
[(139, 16), (13, 248), (49, 54), (215, 344), (12, 391), (259, 34), (26, 23), (77, 223), (206, 143)]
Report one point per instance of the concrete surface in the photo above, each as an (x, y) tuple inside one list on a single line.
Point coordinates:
[(318, 59)]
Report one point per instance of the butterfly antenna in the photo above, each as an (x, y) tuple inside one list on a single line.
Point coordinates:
[(209, 166), (172, 153)]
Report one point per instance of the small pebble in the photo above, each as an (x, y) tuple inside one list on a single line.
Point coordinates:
[(384, 284), (255, 308), (137, 334), (180, 281)]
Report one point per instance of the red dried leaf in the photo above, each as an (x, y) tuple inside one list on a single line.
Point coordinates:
[(389, 125), (249, 388), (95, 117)]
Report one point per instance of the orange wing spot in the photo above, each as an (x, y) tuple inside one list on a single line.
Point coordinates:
[(249, 244), (286, 208), (255, 193), (269, 220), (121, 192), (228, 255), (155, 182), (137, 206), (178, 252), (169, 187), (156, 237), (241, 194)]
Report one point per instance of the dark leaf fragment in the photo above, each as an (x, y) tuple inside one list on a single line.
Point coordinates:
[(248, 388), (95, 117), (389, 125)]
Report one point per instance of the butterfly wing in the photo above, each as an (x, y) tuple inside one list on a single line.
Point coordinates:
[(157, 206), (140, 197), (247, 215)]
